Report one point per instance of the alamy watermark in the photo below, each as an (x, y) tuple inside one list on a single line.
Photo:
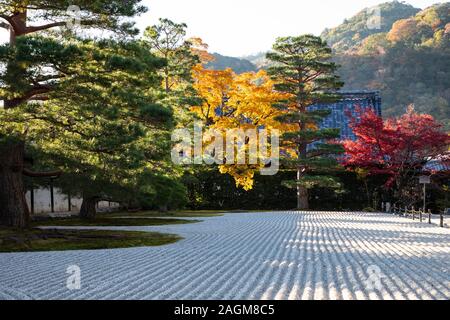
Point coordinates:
[(73, 281), (233, 146), (74, 16), (373, 18), (373, 281)]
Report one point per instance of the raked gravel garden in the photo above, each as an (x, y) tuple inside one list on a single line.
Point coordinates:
[(267, 255)]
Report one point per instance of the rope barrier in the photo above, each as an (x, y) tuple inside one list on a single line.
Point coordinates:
[(405, 212)]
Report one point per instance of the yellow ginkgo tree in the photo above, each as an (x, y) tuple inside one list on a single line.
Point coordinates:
[(231, 101)]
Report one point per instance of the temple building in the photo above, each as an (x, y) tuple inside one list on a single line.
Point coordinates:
[(350, 101)]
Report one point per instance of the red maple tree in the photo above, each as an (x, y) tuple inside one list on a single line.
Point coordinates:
[(397, 147)]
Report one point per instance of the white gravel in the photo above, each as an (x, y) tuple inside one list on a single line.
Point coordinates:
[(273, 255)]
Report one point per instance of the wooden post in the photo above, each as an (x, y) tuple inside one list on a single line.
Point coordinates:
[(442, 219), (52, 196), (424, 197), (420, 215), (413, 213), (32, 199), (69, 201), (429, 216)]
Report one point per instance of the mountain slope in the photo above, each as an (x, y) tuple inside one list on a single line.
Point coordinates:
[(352, 32), (258, 59), (237, 64), (407, 58), (408, 63)]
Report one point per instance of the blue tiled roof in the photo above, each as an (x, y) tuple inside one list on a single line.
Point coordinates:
[(440, 164), (349, 102)]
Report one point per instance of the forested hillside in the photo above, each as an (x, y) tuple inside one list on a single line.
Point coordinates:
[(406, 56), (352, 32), (238, 65), (407, 60)]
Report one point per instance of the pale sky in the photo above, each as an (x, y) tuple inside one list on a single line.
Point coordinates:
[(243, 27)]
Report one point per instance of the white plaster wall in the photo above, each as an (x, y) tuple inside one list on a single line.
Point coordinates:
[(107, 204), (42, 201)]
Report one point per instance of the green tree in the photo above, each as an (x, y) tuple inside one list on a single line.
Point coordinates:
[(107, 126), (303, 70), (167, 40), (36, 70)]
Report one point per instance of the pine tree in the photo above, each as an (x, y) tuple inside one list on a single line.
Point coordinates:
[(37, 71), (107, 127), (167, 40), (303, 70)]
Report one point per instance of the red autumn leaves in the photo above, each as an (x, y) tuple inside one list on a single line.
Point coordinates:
[(395, 147)]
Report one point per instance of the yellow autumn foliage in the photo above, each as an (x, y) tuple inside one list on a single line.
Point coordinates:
[(232, 101)]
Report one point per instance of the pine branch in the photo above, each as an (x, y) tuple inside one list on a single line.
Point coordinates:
[(35, 91), (33, 174), (32, 29)]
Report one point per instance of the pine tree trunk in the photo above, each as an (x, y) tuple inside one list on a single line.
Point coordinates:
[(302, 194), (88, 209), (166, 79), (302, 198), (13, 206)]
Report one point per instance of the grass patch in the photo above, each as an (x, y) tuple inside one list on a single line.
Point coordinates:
[(32, 240), (109, 221), (174, 214)]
